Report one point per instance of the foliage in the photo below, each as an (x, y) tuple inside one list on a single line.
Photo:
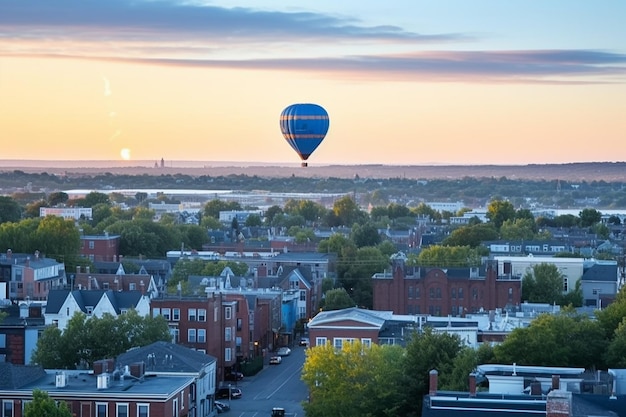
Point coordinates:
[(364, 235), (44, 406), (10, 210), (336, 299), (499, 211), (425, 351), (448, 256), (555, 340), (543, 284), (213, 207), (354, 381), (472, 235), (86, 340), (610, 317), (355, 271), (589, 217), (347, 211), (616, 352), (518, 229)]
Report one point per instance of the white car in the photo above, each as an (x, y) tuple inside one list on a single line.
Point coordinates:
[(283, 351), (275, 360)]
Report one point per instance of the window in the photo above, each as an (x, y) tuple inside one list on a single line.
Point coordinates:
[(175, 335), (228, 355), (165, 312), (453, 293), (121, 410), (431, 293), (105, 285), (201, 335), (7, 408), (228, 311), (320, 341), (475, 293), (228, 335), (132, 286), (417, 292), (367, 342), (215, 313), (3, 341), (438, 293), (201, 314), (410, 291), (565, 284), (143, 410), (191, 314), (92, 244), (302, 295), (460, 293), (176, 314), (175, 407), (191, 335), (89, 310), (239, 324), (102, 409), (156, 312)]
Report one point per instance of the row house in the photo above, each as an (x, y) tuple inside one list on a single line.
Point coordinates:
[(159, 269), (443, 292), (19, 331), (29, 277), (99, 393), (63, 304), (163, 358), (230, 325), (120, 281)]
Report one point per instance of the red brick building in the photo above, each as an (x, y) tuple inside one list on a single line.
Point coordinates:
[(443, 292), (100, 247)]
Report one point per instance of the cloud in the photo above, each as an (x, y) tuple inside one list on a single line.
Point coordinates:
[(180, 33)]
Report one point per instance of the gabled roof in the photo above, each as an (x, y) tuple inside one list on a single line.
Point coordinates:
[(166, 357), (16, 376), (370, 317), (120, 300)]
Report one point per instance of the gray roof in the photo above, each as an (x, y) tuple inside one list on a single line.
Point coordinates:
[(119, 299), (166, 357), (601, 272), (16, 376)]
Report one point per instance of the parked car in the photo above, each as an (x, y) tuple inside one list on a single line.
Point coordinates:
[(233, 376), (221, 407), (304, 341), (226, 392), (275, 360), (283, 351)]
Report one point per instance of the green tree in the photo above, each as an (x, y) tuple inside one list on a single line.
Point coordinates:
[(58, 237), (58, 197), (610, 317), (213, 207), (10, 210), (44, 406), (448, 256), (472, 235), (616, 352), (253, 220), (336, 299), (94, 198), (425, 351), (347, 211), (518, 229), (49, 348), (354, 381), (589, 217), (271, 212), (543, 284), (498, 211), (364, 235), (555, 340)]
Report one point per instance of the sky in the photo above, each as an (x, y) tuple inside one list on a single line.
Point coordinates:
[(405, 82)]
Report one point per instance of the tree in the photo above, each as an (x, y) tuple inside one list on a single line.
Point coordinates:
[(253, 220), (610, 317), (354, 381), (94, 198), (347, 211), (448, 256), (213, 207), (86, 340), (58, 197), (472, 235), (10, 210), (425, 351), (555, 340), (365, 235), (44, 406), (270, 213), (336, 299), (518, 229), (57, 237), (589, 217), (543, 284), (499, 211)]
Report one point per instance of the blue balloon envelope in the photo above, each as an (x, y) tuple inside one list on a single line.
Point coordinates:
[(304, 126)]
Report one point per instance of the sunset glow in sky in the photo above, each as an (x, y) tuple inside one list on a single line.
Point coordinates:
[(404, 82)]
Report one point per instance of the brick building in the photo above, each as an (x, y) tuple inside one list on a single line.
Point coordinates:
[(443, 292)]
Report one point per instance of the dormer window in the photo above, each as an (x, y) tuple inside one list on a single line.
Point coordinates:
[(89, 310)]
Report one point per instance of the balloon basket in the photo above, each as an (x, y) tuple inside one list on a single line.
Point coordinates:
[(304, 164)]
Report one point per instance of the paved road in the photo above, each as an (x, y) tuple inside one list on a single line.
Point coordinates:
[(275, 386)]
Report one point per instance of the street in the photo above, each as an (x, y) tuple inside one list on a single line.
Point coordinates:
[(275, 386)]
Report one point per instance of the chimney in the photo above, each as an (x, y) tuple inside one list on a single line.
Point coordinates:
[(37, 254), (472, 385), (432, 382), (559, 404), (556, 383), (77, 269), (87, 268), (137, 369), (27, 262), (9, 254)]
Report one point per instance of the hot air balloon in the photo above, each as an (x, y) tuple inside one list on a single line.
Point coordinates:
[(304, 126)]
